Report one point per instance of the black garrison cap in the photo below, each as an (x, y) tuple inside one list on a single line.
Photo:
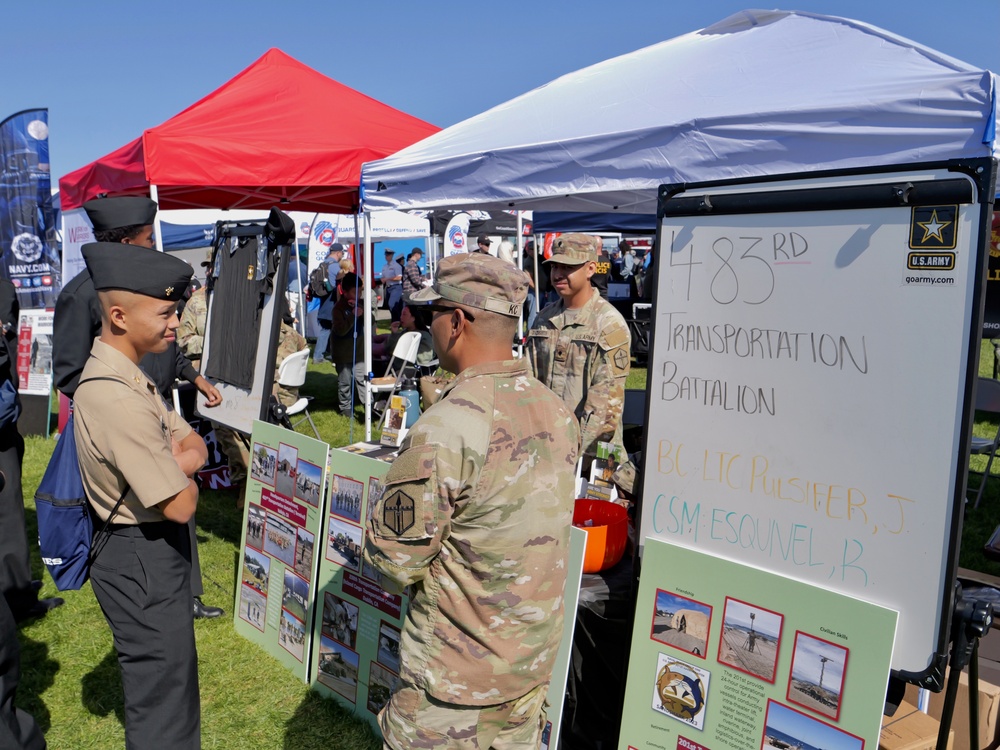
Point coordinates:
[(143, 270), (125, 211)]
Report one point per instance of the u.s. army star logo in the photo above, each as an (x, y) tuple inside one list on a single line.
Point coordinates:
[(398, 512), (621, 358)]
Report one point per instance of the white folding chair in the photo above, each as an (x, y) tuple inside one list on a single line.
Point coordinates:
[(292, 374), (404, 356)]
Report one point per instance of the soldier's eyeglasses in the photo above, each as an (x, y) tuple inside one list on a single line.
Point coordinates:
[(449, 310)]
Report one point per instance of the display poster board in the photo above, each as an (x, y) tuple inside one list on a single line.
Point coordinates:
[(814, 356), (279, 558), (728, 656), (358, 626), (357, 630), (34, 352), (560, 669)]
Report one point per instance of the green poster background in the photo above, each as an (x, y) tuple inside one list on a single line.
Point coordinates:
[(281, 544), (721, 649), (356, 633), (560, 670)]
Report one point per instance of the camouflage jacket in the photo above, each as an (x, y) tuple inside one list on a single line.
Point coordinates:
[(585, 359), (191, 333), (476, 512), (289, 342)]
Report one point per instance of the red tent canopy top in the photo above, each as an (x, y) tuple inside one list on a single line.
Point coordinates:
[(279, 133)]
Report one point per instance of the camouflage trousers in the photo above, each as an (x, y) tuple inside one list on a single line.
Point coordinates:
[(236, 453), (413, 719)]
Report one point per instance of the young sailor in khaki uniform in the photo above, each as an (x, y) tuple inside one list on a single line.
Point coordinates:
[(129, 442)]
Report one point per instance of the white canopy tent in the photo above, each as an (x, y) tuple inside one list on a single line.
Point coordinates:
[(759, 93)]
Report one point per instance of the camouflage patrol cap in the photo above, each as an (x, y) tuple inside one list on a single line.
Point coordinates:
[(574, 249), (479, 281)]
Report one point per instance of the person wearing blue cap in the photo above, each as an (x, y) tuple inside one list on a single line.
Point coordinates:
[(137, 461)]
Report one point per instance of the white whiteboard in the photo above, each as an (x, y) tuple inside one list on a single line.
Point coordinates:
[(807, 390)]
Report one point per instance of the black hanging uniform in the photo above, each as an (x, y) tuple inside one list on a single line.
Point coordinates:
[(245, 276)]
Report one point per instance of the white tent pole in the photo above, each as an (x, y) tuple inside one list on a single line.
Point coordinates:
[(301, 307), (367, 259), (154, 196), (519, 260)]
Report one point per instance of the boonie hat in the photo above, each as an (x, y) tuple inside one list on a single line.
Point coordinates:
[(125, 211), (574, 249), (143, 270), (477, 280)]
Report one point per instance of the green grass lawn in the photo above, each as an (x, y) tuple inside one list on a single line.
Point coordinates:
[(70, 680)]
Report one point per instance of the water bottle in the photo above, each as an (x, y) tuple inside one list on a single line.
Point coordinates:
[(411, 395)]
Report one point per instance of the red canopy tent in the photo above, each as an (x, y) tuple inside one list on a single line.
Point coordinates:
[(279, 133)]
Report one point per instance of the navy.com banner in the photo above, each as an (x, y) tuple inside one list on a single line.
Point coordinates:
[(30, 250)]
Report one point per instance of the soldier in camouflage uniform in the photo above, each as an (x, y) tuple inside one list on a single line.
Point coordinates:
[(191, 334), (580, 346), (191, 340), (289, 342), (476, 513)]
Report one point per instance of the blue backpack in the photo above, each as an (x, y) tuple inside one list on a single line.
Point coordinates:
[(65, 527)]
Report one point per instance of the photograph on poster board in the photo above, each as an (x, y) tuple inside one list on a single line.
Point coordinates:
[(681, 622), (307, 482), (345, 497), (295, 595), (252, 605), (751, 639), (263, 463), (817, 678), (305, 544), (255, 527), (340, 620), (292, 635), (388, 646), (369, 572), (344, 544), (374, 495), (338, 668), (256, 569), (279, 539), (381, 685), (288, 461), (785, 728), (681, 690)]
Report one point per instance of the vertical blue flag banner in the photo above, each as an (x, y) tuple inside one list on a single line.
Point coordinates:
[(28, 242)]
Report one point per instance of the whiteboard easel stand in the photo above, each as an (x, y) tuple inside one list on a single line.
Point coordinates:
[(971, 620)]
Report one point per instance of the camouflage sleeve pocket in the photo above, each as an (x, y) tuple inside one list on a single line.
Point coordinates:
[(406, 509)]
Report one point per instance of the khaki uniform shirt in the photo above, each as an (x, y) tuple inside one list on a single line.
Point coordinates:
[(585, 358), (123, 432), (476, 511)]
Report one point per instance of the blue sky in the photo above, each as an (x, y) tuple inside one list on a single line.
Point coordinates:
[(807, 663), (107, 69), (808, 729)]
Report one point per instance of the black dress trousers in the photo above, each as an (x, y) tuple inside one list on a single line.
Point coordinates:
[(142, 580)]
